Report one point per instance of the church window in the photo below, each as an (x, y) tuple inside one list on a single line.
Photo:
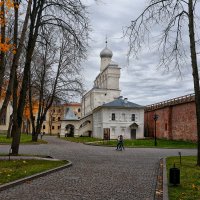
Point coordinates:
[(133, 117), (52, 127), (44, 127), (113, 116), (123, 116)]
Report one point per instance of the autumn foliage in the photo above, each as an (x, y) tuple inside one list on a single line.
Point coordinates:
[(7, 7)]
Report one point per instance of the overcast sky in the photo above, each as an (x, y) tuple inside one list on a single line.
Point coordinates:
[(141, 81)]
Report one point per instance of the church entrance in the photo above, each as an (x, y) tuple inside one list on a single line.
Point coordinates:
[(69, 129), (106, 134), (133, 134)]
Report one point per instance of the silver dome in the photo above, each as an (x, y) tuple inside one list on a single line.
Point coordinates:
[(106, 53)]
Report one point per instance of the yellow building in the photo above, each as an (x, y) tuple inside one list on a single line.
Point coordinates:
[(52, 124)]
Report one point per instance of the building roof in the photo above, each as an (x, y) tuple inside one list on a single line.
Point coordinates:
[(121, 103), (69, 115)]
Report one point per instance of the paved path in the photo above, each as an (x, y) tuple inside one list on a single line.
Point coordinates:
[(98, 173)]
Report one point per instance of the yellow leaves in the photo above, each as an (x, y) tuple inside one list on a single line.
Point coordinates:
[(5, 8), (9, 4), (195, 187), (5, 47)]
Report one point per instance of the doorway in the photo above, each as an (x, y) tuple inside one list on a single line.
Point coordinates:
[(133, 134)]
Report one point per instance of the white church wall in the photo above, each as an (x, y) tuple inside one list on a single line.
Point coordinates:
[(97, 97), (104, 96), (97, 124), (104, 63)]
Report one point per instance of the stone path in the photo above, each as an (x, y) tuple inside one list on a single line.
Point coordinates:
[(97, 173)]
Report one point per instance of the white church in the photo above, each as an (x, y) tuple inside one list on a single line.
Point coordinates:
[(105, 114)]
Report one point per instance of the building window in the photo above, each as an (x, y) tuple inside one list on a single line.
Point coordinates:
[(52, 127), (58, 127), (59, 110), (53, 110), (113, 116), (44, 127), (79, 110), (123, 117), (53, 119), (166, 126), (133, 117), (58, 118)]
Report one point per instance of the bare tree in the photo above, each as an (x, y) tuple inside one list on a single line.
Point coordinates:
[(68, 17), (55, 74), (171, 17)]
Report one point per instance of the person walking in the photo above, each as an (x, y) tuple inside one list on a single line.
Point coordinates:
[(120, 144)]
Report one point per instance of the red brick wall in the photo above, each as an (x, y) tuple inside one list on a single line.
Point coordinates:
[(177, 122)]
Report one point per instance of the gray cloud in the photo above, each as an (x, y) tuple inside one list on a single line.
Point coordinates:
[(141, 80)]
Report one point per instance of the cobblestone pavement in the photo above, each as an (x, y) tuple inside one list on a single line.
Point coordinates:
[(97, 173)]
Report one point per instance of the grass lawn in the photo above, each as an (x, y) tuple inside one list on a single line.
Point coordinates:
[(161, 143), (25, 139), (16, 169), (189, 188)]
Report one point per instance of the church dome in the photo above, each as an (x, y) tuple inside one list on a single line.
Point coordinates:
[(106, 53)]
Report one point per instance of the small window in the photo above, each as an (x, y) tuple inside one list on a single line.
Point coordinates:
[(52, 127), (133, 117), (59, 110), (58, 127), (123, 116), (113, 116), (166, 126), (53, 119), (58, 118), (53, 110), (44, 127), (33, 118), (79, 110)]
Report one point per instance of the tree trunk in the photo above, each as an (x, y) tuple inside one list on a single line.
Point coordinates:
[(33, 33), (2, 54), (16, 129), (194, 72), (16, 56), (10, 126)]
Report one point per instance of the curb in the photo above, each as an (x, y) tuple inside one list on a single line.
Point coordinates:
[(29, 178), (165, 182)]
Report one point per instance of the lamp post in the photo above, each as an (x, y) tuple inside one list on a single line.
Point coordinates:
[(155, 117)]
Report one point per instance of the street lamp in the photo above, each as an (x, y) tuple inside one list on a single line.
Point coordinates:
[(155, 117)]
